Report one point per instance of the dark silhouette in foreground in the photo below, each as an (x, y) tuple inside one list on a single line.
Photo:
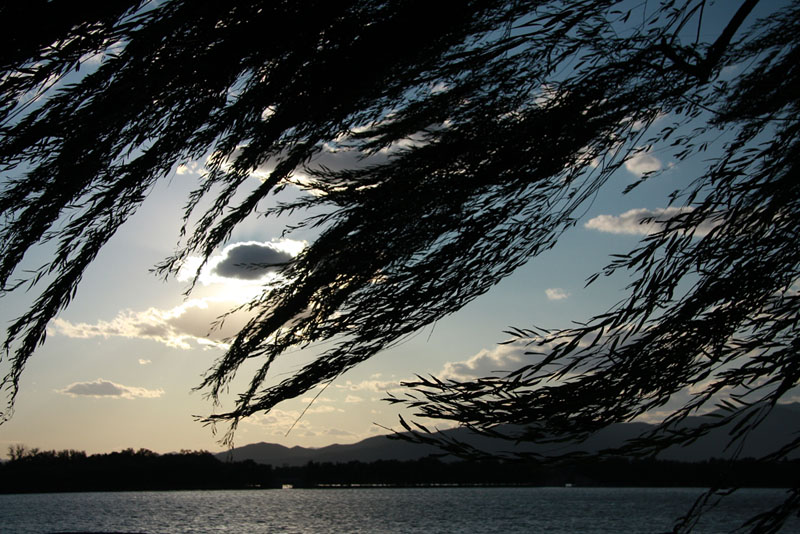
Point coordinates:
[(491, 126)]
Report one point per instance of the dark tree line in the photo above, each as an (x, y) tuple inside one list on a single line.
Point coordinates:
[(144, 470), (127, 470)]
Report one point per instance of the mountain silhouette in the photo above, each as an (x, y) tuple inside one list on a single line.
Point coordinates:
[(778, 428)]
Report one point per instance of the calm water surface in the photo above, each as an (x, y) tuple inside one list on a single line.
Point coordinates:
[(388, 511)]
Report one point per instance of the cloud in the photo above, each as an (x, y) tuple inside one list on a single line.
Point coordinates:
[(640, 124), (183, 327), (101, 388), (308, 400), (343, 153), (350, 399), (556, 293), (502, 358), (340, 433), (375, 386), (191, 167), (640, 221), (142, 361), (277, 422), (642, 163), (246, 262), (250, 260), (94, 59), (335, 156), (241, 271), (340, 154), (325, 408)]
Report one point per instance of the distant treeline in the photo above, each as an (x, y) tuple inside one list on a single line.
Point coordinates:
[(51, 471)]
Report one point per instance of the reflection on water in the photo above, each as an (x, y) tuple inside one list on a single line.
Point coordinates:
[(428, 510)]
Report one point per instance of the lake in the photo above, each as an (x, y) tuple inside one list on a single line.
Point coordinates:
[(377, 510)]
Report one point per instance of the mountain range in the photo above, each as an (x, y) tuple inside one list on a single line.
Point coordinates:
[(781, 426)]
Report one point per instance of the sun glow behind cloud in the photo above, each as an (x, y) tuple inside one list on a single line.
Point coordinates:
[(247, 263), (235, 276)]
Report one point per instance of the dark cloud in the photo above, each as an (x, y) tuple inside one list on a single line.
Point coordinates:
[(250, 260)]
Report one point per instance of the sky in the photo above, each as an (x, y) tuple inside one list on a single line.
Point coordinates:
[(120, 364)]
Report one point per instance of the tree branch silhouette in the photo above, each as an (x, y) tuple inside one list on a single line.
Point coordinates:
[(496, 122)]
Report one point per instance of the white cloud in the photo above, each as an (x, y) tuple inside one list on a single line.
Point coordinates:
[(240, 272), (277, 422), (338, 155), (343, 154), (332, 158), (500, 359), (639, 124), (94, 59), (325, 408), (191, 167), (642, 163), (101, 388), (268, 112), (375, 386), (308, 400), (340, 433), (335, 156), (351, 399), (439, 87), (556, 293), (178, 327), (640, 221), (142, 361)]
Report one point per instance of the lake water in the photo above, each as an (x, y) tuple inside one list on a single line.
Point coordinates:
[(383, 510)]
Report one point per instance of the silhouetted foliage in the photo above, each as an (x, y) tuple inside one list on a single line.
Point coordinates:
[(56, 471), (606, 472), (144, 470), (500, 120)]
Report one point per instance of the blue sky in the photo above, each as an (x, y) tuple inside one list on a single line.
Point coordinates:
[(120, 363)]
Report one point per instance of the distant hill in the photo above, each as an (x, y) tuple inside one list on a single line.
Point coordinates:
[(780, 427)]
